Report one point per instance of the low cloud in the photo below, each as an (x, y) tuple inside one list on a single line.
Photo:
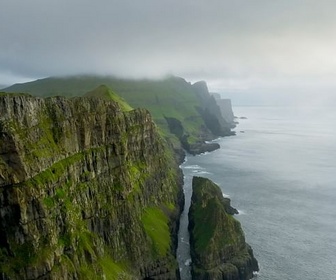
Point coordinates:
[(234, 45)]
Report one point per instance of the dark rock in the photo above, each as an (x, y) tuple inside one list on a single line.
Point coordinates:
[(228, 208), (199, 148)]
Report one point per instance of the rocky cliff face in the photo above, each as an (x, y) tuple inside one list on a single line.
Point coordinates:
[(218, 247), (87, 191), (212, 112), (226, 110)]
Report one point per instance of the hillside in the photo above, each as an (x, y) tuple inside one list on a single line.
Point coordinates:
[(186, 114)]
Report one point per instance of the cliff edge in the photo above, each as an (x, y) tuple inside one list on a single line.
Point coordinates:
[(218, 247)]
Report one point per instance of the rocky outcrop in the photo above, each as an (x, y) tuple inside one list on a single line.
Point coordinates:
[(218, 247), (87, 191), (196, 148)]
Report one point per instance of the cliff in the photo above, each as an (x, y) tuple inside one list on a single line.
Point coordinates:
[(186, 114), (218, 247), (88, 190), (213, 112), (226, 110)]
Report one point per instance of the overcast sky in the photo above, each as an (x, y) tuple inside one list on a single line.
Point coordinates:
[(235, 45)]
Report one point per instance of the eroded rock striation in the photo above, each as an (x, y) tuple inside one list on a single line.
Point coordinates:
[(218, 247), (87, 191)]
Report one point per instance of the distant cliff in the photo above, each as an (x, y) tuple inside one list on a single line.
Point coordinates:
[(88, 190), (218, 247), (212, 113), (186, 114), (225, 108)]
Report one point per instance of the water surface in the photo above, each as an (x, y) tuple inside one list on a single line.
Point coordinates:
[(280, 172)]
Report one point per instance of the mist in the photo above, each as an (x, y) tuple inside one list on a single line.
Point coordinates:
[(264, 48)]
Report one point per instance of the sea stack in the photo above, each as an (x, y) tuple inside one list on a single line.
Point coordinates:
[(217, 241)]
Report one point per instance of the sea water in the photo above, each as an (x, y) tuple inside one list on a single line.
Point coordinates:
[(280, 173)]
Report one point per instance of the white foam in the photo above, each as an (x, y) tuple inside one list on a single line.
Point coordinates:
[(195, 166), (187, 262), (241, 212), (203, 154), (203, 172), (214, 140), (184, 161), (182, 240)]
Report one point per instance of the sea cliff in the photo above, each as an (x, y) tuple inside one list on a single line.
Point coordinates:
[(87, 191), (187, 114), (217, 241)]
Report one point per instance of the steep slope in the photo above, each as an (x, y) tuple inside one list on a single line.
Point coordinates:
[(218, 247), (176, 105), (211, 111), (87, 191), (225, 107)]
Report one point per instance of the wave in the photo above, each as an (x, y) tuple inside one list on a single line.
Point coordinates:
[(256, 274), (187, 262), (214, 140), (201, 172), (184, 161), (185, 242), (195, 166), (202, 154)]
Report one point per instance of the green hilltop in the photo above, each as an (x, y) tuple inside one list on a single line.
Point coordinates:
[(105, 93), (186, 113)]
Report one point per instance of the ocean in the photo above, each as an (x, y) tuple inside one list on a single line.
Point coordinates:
[(280, 173)]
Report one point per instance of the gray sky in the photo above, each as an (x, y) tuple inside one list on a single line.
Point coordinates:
[(235, 45)]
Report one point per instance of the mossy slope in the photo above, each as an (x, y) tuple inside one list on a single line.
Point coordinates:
[(218, 247)]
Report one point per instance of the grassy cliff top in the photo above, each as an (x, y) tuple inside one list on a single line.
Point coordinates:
[(171, 96), (105, 93), (185, 113)]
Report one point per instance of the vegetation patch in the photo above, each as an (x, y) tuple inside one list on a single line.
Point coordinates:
[(205, 225), (114, 270), (105, 93), (155, 223)]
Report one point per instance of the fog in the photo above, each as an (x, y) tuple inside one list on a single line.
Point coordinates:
[(262, 48)]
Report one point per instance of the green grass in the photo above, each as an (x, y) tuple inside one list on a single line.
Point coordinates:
[(114, 270), (107, 94), (155, 223), (213, 227), (205, 224)]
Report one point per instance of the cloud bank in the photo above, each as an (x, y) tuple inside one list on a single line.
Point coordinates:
[(234, 45)]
